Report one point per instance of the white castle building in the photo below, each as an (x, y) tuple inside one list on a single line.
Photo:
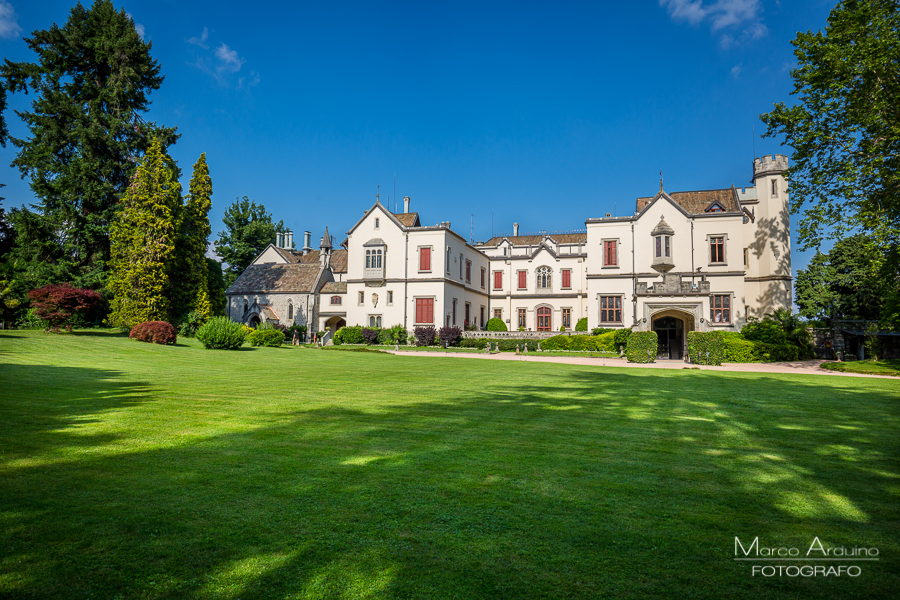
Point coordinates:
[(684, 261)]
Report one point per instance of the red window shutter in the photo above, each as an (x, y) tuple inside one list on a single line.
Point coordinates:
[(611, 251), (522, 279), (430, 310), (425, 259), (498, 280), (567, 278), (418, 310)]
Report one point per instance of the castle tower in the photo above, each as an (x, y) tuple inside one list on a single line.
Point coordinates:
[(325, 249), (769, 242)]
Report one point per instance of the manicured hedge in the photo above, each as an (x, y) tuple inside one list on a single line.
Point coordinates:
[(221, 333), (495, 324), (738, 349), (642, 347), (706, 347), (157, 332), (349, 335), (581, 325), (273, 338), (506, 345)]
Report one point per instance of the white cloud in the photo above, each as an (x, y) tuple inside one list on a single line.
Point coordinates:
[(9, 28), (229, 61), (722, 14), (200, 41), (736, 70), (243, 84), (137, 26)]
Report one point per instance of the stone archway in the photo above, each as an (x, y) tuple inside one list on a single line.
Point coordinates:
[(671, 327), (253, 321)]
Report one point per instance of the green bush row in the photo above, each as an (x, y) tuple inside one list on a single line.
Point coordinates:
[(706, 347), (273, 338), (642, 347), (741, 350), (506, 345), (384, 336)]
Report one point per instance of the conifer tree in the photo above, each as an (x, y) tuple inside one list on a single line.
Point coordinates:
[(142, 239), (189, 281)]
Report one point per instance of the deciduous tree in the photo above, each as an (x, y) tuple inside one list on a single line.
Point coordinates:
[(248, 230), (143, 240), (59, 303)]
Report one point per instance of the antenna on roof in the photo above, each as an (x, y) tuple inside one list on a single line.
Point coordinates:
[(754, 142), (395, 191), (471, 229), (492, 222)]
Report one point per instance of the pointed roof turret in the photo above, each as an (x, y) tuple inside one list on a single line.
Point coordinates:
[(662, 228), (326, 240)]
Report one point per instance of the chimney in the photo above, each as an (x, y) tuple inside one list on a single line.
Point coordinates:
[(515, 229), (289, 243), (279, 239), (306, 242), (406, 204)]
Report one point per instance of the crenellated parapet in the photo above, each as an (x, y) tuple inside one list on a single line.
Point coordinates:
[(774, 164)]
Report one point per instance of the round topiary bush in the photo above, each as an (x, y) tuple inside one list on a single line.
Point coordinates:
[(496, 324), (581, 325), (273, 338), (157, 332), (221, 333)]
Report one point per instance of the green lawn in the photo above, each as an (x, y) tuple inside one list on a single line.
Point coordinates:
[(869, 367), (136, 471)]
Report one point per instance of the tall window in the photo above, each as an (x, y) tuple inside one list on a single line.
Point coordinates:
[(717, 249), (390, 299), (567, 317), (662, 246), (362, 298), (460, 266), (424, 310), (448, 260), (483, 271), (374, 320), (376, 223), (424, 259), (468, 271), (290, 311), (498, 281), (373, 259), (567, 278), (468, 316), (336, 300), (543, 278), (482, 317), (523, 280), (610, 309), (774, 188), (720, 308), (746, 258), (542, 315), (454, 311), (498, 313), (610, 253), (521, 318)]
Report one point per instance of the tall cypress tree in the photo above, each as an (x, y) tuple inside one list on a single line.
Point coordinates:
[(189, 283), (143, 239), (91, 83)]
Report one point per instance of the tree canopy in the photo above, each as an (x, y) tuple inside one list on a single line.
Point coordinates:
[(845, 125), (91, 81), (248, 230), (189, 282)]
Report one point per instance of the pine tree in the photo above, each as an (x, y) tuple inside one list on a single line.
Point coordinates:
[(91, 81), (189, 282), (143, 239)]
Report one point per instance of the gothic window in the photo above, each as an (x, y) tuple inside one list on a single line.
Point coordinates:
[(543, 278), (290, 310)]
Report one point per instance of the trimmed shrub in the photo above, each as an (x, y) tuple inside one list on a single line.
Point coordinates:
[(706, 347), (191, 323), (601, 330), (620, 339), (273, 338), (495, 324), (739, 350), (156, 332), (370, 336), (766, 331), (221, 333), (450, 336), (425, 335), (349, 335), (510, 345), (480, 343), (642, 347), (581, 325)]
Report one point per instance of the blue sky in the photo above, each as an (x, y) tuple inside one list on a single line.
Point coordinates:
[(541, 113)]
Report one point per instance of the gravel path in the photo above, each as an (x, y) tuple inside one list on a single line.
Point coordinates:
[(800, 367)]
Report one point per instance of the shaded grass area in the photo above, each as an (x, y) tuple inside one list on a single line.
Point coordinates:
[(138, 471), (867, 367)]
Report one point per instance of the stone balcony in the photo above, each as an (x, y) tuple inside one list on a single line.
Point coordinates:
[(673, 285)]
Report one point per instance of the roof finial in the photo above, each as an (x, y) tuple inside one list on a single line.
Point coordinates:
[(378, 194), (660, 181)]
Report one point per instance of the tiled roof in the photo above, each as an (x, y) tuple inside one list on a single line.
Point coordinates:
[(408, 219), (335, 287), (534, 240), (276, 278), (339, 261), (338, 258), (697, 202)]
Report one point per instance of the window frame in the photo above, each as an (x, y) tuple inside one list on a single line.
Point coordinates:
[(729, 309), (377, 320), (617, 306), (498, 275), (390, 298), (605, 249), (544, 273), (468, 271), (564, 273), (338, 303), (424, 303), (483, 276), (521, 318), (709, 245), (361, 299), (522, 276), (498, 314), (423, 250), (566, 317)]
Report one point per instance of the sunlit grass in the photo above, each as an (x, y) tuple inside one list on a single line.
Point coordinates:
[(868, 367), (136, 471)]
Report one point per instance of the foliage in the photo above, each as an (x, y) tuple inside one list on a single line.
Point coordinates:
[(190, 324), (398, 335), (59, 304), (349, 335), (580, 343), (143, 243), (8, 302), (642, 347), (495, 324), (600, 330), (215, 282), (157, 332), (845, 127), (504, 344), (248, 230), (620, 339), (450, 336), (778, 329), (370, 336), (850, 281), (739, 350), (581, 325), (767, 331), (868, 367), (30, 320), (706, 347), (189, 280), (221, 333), (873, 344), (273, 338), (91, 82), (425, 336)]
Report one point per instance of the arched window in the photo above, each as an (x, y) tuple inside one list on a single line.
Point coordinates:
[(290, 310), (543, 278), (245, 308), (335, 299)]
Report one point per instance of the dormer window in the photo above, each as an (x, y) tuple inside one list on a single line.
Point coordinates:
[(662, 246)]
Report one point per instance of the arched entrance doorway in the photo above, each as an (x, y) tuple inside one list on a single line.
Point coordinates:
[(543, 318), (254, 321), (670, 337)]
